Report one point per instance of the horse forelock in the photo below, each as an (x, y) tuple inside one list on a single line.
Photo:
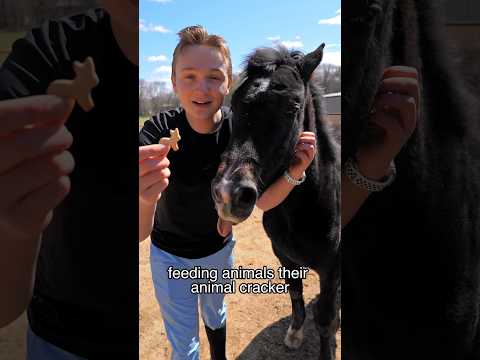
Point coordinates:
[(266, 60)]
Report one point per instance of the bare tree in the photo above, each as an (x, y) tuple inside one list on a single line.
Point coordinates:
[(155, 97), (330, 77)]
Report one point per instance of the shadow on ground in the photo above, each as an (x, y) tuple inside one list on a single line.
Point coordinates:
[(268, 344)]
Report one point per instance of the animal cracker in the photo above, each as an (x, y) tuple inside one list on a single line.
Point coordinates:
[(172, 140), (80, 87)]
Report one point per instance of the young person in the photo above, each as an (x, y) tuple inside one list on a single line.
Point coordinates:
[(394, 114), (65, 215), (176, 206)]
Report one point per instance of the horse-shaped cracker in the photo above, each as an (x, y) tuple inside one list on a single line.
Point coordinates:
[(79, 88), (172, 140)]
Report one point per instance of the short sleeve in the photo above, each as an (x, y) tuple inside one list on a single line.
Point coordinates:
[(158, 126), (30, 66), (45, 54)]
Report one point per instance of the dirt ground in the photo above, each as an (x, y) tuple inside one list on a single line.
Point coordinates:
[(256, 323)]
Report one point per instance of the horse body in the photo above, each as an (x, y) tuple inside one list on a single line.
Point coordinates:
[(411, 256), (289, 222), (272, 106)]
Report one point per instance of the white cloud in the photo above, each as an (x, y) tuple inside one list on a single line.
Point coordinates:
[(273, 38), (163, 69), (143, 26), (292, 44), (332, 57), (156, 58), (336, 20), (297, 43)]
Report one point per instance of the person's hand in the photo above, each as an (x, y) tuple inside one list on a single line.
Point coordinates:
[(34, 163), (153, 172), (305, 151), (393, 119)]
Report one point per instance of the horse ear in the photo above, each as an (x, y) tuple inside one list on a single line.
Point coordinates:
[(310, 62)]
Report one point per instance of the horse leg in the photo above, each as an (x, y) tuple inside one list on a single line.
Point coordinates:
[(326, 311), (294, 336)]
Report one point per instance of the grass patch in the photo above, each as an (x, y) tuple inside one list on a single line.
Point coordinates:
[(141, 120), (6, 41)]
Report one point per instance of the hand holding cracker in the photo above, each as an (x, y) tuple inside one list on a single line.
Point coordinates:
[(79, 88), (172, 140), (153, 172)]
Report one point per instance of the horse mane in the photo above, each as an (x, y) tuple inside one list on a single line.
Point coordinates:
[(435, 193), (415, 35), (446, 94), (266, 60), (328, 137)]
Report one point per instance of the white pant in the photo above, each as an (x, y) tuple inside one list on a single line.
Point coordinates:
[(179, 307)]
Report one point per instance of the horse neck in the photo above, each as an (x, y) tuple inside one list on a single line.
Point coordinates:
[(447, 113), (313, 120), (419, 41)]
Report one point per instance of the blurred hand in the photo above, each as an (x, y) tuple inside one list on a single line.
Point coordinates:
[(153, 172), (305, 151), (34, 163), (393, 120)]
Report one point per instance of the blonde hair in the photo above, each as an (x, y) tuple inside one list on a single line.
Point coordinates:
[(198, 35)]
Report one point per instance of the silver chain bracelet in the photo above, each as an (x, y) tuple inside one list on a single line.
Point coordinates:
[(291, 180), (353, 174)]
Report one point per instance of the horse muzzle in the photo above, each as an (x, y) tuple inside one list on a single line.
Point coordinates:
[(234, 201)]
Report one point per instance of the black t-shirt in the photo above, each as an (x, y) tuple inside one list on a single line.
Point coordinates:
[(186, 220), (86, 291)]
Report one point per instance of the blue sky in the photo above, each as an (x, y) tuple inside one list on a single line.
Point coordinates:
[(245, 25)]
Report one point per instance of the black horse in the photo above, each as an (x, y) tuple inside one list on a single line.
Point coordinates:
[(274, 104), (411, 256)]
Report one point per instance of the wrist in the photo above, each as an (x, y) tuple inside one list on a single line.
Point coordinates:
[(354, 175), (296, 172), (374, 169), (294, 180), (147, 202)]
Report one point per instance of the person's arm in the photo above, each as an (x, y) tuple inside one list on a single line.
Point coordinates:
[(153, 180), (34, 161), (146, 217), (279, 190), (354, 196), (34, 168), (395, 118), (17, 266)]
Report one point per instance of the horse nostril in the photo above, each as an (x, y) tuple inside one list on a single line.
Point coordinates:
[(246, 195)]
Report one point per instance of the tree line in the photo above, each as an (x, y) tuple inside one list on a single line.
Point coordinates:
[(156, 96)]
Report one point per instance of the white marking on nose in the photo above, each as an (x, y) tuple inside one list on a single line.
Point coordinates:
[(224, 190)]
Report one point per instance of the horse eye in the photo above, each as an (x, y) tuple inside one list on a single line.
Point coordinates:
[(373, 11), (279, 87)]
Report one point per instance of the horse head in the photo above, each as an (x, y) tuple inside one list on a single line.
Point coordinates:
[(268, 117)]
